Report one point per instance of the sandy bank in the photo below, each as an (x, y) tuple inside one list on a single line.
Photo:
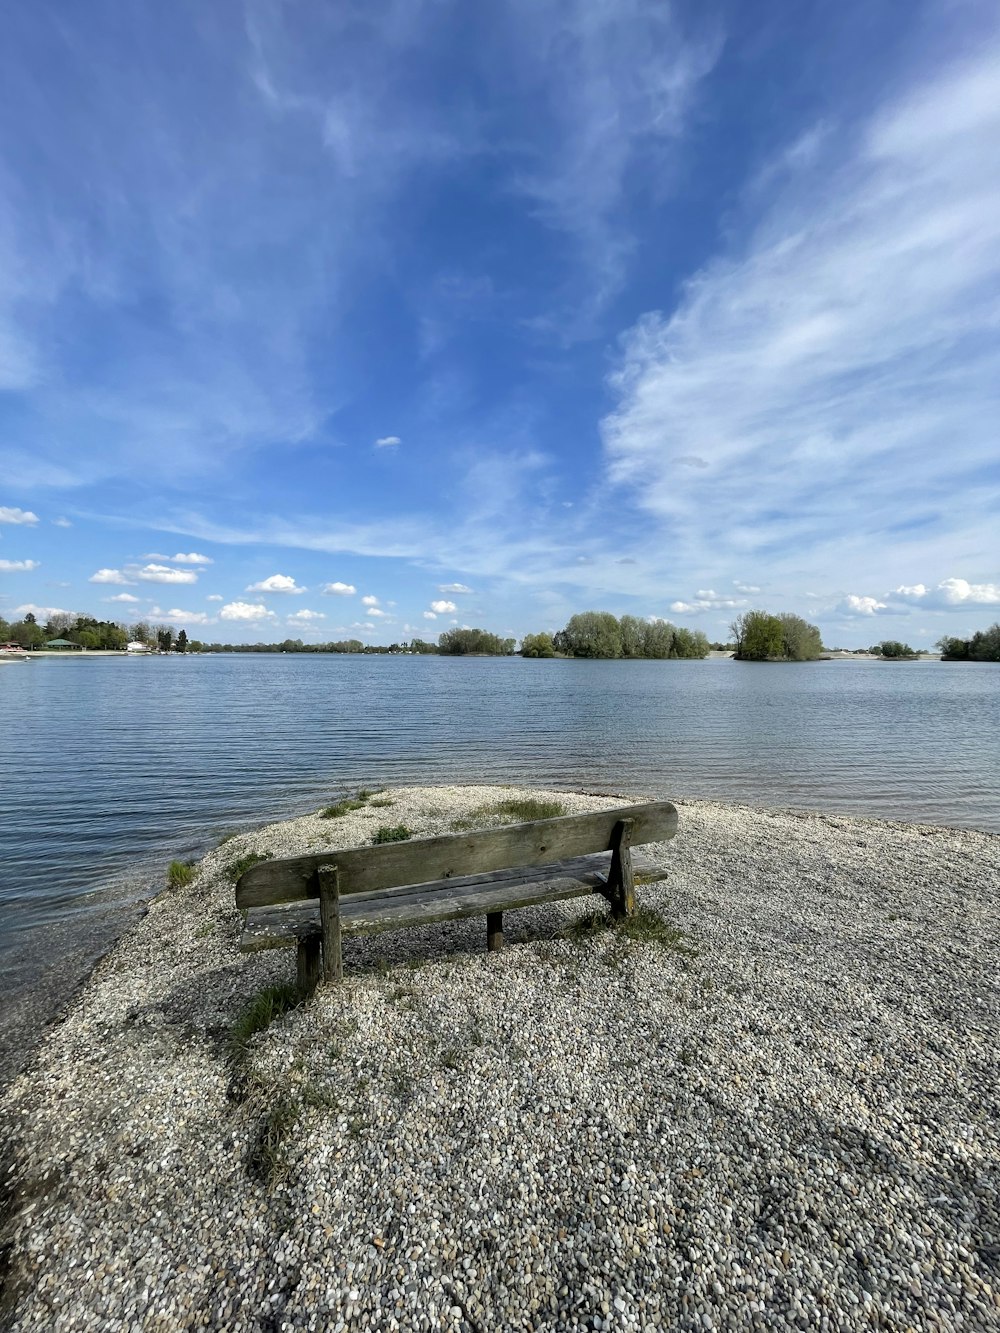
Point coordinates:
[(788, 1119)]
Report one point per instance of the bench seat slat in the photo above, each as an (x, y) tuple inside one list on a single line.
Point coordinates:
[(445, 900)]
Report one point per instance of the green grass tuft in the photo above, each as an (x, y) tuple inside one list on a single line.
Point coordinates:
[(260, 1013), (351, 803), (644, 926), (267, 1155), (180, 873), (391, 833), (236, 868), (513, 810)]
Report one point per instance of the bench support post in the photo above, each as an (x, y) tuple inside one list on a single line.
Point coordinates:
[(329, 912), (621, 883), (494, 932), (308, 964)]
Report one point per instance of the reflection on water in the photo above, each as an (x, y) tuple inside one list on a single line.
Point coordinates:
[(112, 766)]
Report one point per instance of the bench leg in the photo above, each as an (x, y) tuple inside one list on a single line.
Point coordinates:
[(621, 881), (329, 911), (494, 931), (308, 964)]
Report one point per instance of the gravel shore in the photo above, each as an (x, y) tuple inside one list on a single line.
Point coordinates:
[(784, 1115)]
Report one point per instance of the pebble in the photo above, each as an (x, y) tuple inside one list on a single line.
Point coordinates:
[(791, 1122)]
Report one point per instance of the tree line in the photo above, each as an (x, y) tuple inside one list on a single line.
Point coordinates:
[(984, 646)]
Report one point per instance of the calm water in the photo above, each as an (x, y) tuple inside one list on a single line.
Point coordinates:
[(113, 766)]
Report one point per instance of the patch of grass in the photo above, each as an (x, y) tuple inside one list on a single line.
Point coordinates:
[(204, 930), (267, 1155), (391, 833), (402, 1082), (644, 926), (319, 1098), (260, 1013), (351, 803), (180, 873), (381, 803), (236, 868), (513, 810)]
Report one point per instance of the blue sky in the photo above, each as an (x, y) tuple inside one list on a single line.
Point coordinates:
[(332, 320)]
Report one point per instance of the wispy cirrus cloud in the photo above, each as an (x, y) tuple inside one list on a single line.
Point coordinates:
[(837, 373)]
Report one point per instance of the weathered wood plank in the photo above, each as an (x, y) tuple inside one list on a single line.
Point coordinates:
[(494, 932), (621, 880), (275, 927), (328, 878), (307, 963), (423, 860)]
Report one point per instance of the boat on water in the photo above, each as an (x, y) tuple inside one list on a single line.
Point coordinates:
[(12, 652)]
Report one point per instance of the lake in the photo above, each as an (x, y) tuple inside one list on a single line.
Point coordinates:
[(113, 766)]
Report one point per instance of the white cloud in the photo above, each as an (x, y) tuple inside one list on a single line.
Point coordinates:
[(161, 574), (191, 558), (61, 523), (17, 566), (377, 611), (305, 616), (950, 593), (42, 612), (430, 615), (957, 592), (853, 605), (443, 607), (745, 587), (188, 617), (387, 441), (819, 368), (245, 611), (707, 600), (122, 597), (109, 576), (215, 597), (11, 515), (277, 583), (454, 588), (339, 589), (369, 600)]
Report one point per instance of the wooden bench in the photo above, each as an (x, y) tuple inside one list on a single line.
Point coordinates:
[(311, 901)]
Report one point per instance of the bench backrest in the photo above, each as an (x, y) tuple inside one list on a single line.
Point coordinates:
[(423, 860)]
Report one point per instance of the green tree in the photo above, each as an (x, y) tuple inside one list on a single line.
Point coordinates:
[(4, 630), (164, 638), (801, 642), (182, 641), (758, 636), (27, 633), (689, 643), (593, 634), (537, 645), (893, 648), (463, 642), (632, 632), (658, 639), (953, 650), (984, 646)]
